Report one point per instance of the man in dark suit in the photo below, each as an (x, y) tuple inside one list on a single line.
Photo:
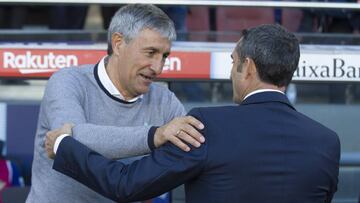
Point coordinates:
[(262, 150)]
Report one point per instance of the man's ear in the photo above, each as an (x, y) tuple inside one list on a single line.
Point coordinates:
[(251, 67), (117, 40)]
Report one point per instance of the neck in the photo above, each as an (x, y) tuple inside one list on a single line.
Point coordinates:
[(270, 86), (262, 85)]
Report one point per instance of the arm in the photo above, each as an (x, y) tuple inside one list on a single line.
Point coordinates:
[(114, 142), (166, 168), (134, 140), (63, 103)]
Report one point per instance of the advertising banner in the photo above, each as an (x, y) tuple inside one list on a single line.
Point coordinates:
[(42, 63), (317, 63), (328, 67), (187, 65), (313, 66)]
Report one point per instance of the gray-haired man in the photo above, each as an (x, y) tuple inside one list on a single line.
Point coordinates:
[(113, 104)]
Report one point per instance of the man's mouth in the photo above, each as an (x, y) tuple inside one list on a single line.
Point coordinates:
[(147, 77)]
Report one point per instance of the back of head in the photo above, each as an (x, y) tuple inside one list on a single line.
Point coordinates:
[(130, 20), (274, 50)]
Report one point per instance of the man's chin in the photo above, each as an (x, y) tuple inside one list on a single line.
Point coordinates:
[(143, 90)]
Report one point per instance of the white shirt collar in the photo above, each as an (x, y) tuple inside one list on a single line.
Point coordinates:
[(262, 90), (109, 85)]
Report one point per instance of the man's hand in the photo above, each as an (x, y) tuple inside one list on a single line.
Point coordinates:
[(178, 131), (51, 137)]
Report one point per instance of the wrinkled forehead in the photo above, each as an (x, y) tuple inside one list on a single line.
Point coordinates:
[(152, 38), (151, 32)]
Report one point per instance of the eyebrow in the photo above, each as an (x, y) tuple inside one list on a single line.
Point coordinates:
[(152, 49)]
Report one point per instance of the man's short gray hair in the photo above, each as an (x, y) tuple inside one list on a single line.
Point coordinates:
[(130, 20)]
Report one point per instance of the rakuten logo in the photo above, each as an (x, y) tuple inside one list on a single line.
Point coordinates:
[(172, 63), (35, 61)]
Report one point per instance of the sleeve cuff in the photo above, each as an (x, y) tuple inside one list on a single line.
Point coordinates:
[(151, 135), (58, 140)]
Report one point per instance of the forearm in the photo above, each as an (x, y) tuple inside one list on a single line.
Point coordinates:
[(153, 175), (113, 142)]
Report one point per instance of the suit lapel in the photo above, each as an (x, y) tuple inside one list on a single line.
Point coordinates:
[(265, 97)]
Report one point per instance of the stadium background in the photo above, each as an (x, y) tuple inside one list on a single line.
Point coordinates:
[(39, 37)]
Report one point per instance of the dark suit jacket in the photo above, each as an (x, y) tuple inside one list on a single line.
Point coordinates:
[(262, 150)]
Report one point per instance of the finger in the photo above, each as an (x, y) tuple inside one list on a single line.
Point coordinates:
[(48, 134), (69, 125), (50, 153), (49, 138), (194, 122), (188, 138), (177, 142), (59, 131), (48, 145), (53, 133), (67, 128), (48, 148), (191, 131)]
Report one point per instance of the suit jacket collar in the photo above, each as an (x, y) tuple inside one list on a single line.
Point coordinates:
[(265, 97)]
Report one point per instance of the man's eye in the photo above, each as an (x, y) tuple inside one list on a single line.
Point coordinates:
[(150, 53)]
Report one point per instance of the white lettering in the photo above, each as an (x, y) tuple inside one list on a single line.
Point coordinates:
[(20, 61), (71, 60), (60, 62), (8, 60), (172, 63), (338, 69), (37, 61), (51, 60)]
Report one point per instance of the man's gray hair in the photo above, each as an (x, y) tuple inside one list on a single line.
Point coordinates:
[(130, 20)]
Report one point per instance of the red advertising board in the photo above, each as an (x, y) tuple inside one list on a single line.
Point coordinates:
[(187, 65), (41, 63)]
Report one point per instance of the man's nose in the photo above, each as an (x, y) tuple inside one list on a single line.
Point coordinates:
[(157, 65)]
